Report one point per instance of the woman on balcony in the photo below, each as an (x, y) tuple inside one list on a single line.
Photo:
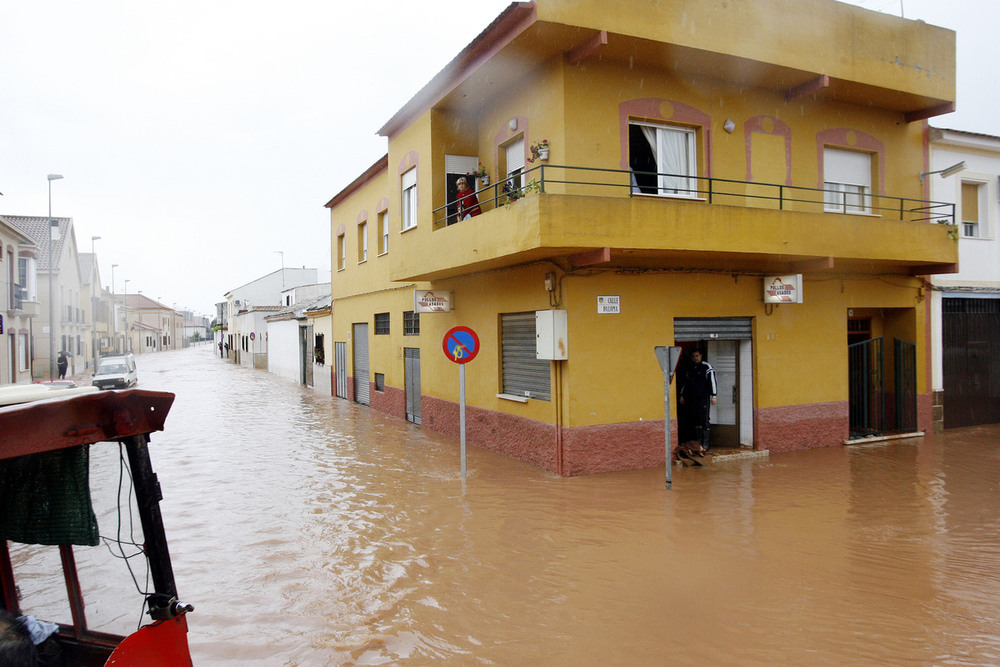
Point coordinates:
[(468, 203)]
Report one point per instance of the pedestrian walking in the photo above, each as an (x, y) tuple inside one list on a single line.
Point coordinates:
[(62, 363)]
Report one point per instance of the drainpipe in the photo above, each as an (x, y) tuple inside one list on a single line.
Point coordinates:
[(559, 420)]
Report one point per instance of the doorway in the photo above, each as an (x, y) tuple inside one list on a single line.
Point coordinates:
[(361, 384), (411, 374), (726, 344)]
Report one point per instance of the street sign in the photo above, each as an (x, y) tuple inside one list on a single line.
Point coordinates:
[(668, 358), (461, 344)]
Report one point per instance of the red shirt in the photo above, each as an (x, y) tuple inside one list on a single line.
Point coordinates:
[(468, 204)]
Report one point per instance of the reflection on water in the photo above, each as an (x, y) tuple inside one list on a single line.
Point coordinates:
[(311, 531)]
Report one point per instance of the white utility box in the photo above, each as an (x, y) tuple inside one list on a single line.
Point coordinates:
[(551, 335)]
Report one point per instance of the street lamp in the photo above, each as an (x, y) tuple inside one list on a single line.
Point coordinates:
[(125, 310), (52, 296), (114, 307), (94, 300)]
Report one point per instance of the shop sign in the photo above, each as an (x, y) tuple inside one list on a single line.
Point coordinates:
[(431, 302), (783, 289)]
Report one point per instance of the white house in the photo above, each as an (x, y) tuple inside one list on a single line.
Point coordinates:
[(965, 306)]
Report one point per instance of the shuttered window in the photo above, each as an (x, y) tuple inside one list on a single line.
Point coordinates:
[(708, 328), (523, 373), (971, 194), (408, 203), (515, 163), (847, 179)]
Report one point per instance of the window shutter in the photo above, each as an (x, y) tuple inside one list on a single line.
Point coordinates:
[(460, 164), (409, 179), (523, 373), (849, 167), (970, 202), (515, 157)]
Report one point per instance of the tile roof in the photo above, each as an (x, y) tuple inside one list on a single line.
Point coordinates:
[(37, 229)]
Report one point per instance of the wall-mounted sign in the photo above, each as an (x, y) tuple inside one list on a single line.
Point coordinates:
[(783, 289), (431, 302), (609, 305)]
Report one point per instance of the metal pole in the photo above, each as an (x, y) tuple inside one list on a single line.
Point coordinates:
[(461, 408), (666, 425), (52, 296)]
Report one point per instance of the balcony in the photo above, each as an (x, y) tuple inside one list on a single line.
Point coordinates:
[(604, 218)]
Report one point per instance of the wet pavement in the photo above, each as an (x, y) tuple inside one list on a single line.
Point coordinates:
[(307, 530)]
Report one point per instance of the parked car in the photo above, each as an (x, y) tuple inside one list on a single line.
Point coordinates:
[(117, 372)]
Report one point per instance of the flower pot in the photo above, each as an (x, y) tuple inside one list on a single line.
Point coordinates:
[(543, 154), (484, 181)]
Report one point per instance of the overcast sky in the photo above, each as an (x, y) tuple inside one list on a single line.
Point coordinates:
[(197, 138)]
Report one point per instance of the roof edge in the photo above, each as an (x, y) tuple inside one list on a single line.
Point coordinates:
[(511, 22), (366, 176)]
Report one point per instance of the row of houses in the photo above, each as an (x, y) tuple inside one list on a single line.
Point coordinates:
[(55, 303), (751, 179)]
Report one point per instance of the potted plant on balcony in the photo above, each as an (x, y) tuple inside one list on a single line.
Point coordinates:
[(481, 174), (539, 151)]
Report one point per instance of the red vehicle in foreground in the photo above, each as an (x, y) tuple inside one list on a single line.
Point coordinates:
[(45, 499)]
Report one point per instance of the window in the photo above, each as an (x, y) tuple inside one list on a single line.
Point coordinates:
[(973, 208), (380, 382), (408, 204), (411, 323), (341, 253), (381, 324), (383, 232), (523, 374), (22, 351), (663, 159), (847, 179), (319, 354), (362, 242), (514, 153)]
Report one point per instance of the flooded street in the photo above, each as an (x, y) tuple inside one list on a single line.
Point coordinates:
[(310, 531)]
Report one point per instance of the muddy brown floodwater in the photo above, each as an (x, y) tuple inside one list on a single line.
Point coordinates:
[(310, 531)]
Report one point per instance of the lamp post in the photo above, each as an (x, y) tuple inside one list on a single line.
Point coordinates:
[(125, 310), (114, 308), (94, 299), (52, 296)]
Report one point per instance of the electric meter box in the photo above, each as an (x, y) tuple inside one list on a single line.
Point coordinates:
[(551, 335)]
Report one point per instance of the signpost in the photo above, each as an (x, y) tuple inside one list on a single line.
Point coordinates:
[(668, 358), (461, 345)]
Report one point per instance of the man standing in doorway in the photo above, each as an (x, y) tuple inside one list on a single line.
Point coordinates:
[(697, 393)]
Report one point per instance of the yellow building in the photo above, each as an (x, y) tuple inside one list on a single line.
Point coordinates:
[(701, 159)]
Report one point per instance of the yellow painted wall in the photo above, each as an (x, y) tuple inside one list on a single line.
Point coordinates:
[(821, 36)]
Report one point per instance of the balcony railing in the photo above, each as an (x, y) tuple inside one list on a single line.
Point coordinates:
[(752, 194)]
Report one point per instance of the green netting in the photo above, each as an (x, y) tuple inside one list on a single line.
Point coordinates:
[(45, 498)]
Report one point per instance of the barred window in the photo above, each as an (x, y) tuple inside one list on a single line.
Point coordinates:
[(381, 324), (411, 323), (319, 354)]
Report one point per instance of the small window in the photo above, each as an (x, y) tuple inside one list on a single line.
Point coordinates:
[(523, 373), (663, 159), (383, 232), (380, 382), (319, 354), (408, 203), (411, 323), (362, 242), (381, 324), (973, 195), (341, 253), (847, 180)]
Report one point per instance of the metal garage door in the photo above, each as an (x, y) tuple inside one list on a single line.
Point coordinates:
[(361, 385)]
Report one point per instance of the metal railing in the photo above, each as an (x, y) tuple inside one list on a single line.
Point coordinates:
[(562, 179)]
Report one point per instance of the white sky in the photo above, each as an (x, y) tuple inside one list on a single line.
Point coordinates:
[(199, 137)]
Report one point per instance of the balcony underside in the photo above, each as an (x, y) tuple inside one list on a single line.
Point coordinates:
[(651, 233)]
